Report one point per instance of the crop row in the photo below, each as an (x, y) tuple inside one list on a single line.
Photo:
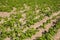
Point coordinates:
[(52, 31)]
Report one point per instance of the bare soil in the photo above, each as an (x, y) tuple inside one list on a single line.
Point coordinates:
[(57, 36)]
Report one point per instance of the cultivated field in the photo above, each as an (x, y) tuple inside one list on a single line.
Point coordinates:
[(29, 19)]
